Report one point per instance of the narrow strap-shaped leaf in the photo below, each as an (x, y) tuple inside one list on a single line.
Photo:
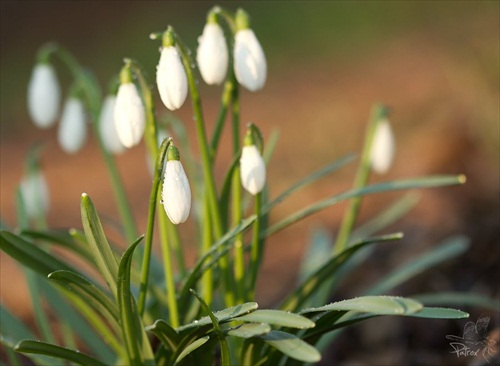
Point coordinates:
[(248, 330), (451, 248), (85, 289), (458, 299), (101, 251), (136, 341), (278, 317), (30, 255), (42, 348), (427, 182), (165, 333), (308, 287), (191, 347), (381, 305), (224, 349), (292, 346), (309, 179), (439, 313)]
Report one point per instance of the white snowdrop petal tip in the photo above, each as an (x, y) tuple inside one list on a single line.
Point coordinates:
[(44, 95), (212, 55), (250, 66), (72, 132), (252, 169), (383, 148), (176, 193), (129, 115), (171, 78)]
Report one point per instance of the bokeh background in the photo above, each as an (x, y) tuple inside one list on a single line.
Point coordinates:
[(436, 64)]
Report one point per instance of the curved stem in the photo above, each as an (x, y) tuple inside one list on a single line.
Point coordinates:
[(149, 230)]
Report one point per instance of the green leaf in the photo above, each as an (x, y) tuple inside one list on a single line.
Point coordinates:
[(278, 317), (136, 341), (381, 305), (42, 348), (427, 182), (101, 251), (222, 316), (439, 313), (314, 282), (451, 248), (292, 346), (191, 347), (86, 290), (165, 333), (249, 330), (309, 179), (30, 255), (458, 299)]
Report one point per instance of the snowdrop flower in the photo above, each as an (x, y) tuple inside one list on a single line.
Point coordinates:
[(176, 194), (35, 192), (44, 95), (212, 55), (171, 78), (107, 128), (72, 132), (129, 114), (383, 146), (250, 65), (252, 167)]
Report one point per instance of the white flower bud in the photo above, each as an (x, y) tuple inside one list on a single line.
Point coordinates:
[(44, 96), (250, 65), (107, 128), (129, 115), (72, 132), (35, 192), (171, 78), (176, 193), (383, 146), (252, 169), (212, 55)]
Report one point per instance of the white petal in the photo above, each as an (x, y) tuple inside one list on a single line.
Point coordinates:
[(250, 64), (252, 169), (72, 132), (171, 79), (107, 128), (382, 153), (212, 55), (129, 115), (35, 193), (176, 193), (44, 96)]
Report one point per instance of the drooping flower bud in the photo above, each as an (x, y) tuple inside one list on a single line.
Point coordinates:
[(212, 55), (129, 114), (35, 192), (107, 128), (72, 132), (250, 65), (171, 78), (383, 147), (252, 167), (44, 95), (176, 193)]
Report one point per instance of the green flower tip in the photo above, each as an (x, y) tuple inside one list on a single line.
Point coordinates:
[(126, 75), (212, 15), (173, 153), (248, 139), (168, 38), (242, 20)]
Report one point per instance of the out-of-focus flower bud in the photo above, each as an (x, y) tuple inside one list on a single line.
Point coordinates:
[(252, 167), (250, 65), (72, 132), (107, 128), (383, 147), (35, 192), (44, 95), (176, 194)]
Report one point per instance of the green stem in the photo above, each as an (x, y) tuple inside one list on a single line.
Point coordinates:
[(150, 226), (165, 225), (208, 177), (361, 180), (208, 277), (93, 98), (255, 249), (221, 118)]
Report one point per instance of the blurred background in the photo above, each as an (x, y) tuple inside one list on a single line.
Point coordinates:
[(436, 64)]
